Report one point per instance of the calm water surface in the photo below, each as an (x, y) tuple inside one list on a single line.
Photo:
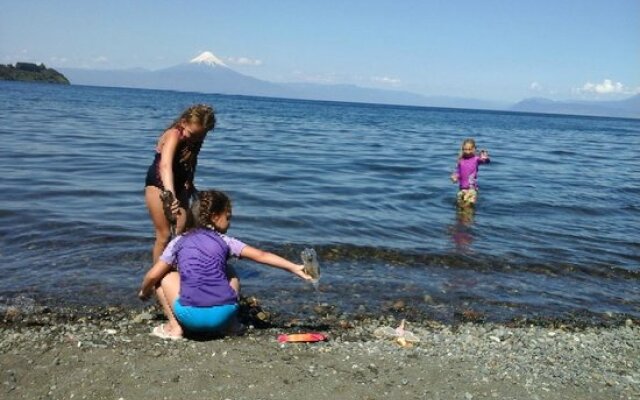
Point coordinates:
[(556, 231)]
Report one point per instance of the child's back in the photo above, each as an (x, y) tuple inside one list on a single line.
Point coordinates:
[(201, 256)]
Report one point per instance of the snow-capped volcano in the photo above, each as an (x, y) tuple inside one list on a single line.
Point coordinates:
[(208, 58)]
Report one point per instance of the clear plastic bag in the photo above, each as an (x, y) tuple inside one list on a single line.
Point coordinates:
[(311, 265)]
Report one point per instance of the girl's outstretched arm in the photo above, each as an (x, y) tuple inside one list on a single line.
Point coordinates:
[(273, 260), (157, 272)]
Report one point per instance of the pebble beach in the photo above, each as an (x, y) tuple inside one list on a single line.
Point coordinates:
[(107, 353)]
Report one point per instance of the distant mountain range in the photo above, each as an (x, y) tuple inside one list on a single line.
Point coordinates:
[(628, 108), (208, 74)]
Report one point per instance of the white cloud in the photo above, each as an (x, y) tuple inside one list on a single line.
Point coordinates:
[(606, 87), (336, 78), (328, 78), (244, 61), (386, 80), (535, 86), (100, 60), (59, 60), (19, 56)]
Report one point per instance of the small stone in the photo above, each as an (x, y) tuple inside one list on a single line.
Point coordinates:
[(12, 313), (344, 324), (145, 316), (263, 316), (398, 305)]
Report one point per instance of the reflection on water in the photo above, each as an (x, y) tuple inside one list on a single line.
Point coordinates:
[(462, 229)]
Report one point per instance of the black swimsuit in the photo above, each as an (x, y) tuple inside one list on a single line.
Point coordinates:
[(183, 171)]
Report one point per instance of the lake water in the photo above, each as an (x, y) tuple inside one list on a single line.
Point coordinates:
[(556, 232)]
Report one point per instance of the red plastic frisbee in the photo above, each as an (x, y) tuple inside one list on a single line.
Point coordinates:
[(302, 337)]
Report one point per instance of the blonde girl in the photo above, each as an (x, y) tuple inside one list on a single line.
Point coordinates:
[(172, 171)]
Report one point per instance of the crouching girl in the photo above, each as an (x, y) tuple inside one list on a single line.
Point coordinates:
[(201, 296)]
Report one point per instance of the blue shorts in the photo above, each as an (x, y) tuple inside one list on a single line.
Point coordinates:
[(204, 319)]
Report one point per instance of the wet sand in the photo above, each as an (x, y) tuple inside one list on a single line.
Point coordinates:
[(107, 353)]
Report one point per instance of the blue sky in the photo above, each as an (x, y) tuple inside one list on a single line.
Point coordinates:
[(493, 49)]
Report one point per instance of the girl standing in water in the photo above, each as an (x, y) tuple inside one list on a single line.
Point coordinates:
[(171, 174), (466, 173)]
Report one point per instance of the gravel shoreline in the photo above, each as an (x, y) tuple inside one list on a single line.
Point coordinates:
[(107, 353)]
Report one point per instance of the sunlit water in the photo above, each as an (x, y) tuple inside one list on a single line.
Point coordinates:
[(556, 230)]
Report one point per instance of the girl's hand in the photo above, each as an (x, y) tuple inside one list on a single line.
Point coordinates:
[(299, 270), (143, 296), (454, 177), (484, 154), (175, 207), (170, 205)]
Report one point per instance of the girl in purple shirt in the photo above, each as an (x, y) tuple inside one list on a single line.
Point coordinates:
[(202, 295), (466, 173)]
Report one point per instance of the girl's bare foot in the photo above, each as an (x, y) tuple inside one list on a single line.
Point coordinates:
[(165, 332)]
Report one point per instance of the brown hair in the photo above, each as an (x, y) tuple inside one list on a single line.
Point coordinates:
[(208, 204), (470, 141)]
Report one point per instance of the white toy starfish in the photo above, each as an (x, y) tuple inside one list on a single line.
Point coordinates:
[(402, 336)]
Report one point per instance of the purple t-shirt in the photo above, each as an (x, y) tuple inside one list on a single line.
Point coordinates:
[(201, 257), (468, 171)]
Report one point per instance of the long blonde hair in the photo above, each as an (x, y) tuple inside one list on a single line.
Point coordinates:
[(201, 114)]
